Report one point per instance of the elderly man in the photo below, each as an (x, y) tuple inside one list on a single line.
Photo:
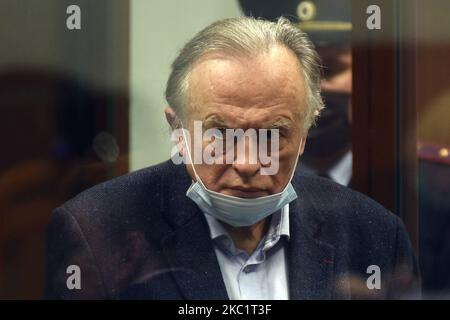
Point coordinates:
[(232, 229)]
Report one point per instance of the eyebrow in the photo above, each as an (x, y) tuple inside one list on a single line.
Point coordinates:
[(217, 121), (281, 123)]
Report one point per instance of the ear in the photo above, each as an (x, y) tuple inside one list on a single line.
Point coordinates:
[(171, 117)]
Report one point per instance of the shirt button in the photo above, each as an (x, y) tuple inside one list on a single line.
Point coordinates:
[(248, 269)]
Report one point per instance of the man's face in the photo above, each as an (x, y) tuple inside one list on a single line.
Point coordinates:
[(330, 139), (338, 70), (262, 92)]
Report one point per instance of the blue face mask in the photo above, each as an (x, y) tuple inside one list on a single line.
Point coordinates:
[(235, 211)]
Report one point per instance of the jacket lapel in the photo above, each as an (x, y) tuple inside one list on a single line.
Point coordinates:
[(311, 264), (188, 247)]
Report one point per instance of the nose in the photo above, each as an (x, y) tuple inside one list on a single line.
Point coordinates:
[(245, 165), (247, 170)]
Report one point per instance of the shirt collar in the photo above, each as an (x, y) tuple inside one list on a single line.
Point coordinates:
[(279, 225)]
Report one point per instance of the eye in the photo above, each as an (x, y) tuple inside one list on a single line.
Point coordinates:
[(219, 133), (281, 133)]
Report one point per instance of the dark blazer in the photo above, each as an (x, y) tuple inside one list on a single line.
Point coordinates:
[(139, 236)]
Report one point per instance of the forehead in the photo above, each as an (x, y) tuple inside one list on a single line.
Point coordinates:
[(246, 87)]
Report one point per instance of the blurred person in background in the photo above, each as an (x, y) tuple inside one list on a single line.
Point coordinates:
[(329, 25)]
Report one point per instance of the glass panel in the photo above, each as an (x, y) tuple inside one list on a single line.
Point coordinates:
[(63, 122), (433, 143)]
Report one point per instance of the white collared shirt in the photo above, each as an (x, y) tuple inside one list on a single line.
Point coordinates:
[(261, 275)]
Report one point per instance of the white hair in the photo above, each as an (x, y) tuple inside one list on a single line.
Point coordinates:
[(247, 36)]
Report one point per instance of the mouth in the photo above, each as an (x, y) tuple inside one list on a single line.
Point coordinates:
[(246, 192)]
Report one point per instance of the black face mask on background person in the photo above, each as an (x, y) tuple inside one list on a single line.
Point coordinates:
[(331, 135)]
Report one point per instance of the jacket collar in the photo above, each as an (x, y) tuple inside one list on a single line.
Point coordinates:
[(188, 246)]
